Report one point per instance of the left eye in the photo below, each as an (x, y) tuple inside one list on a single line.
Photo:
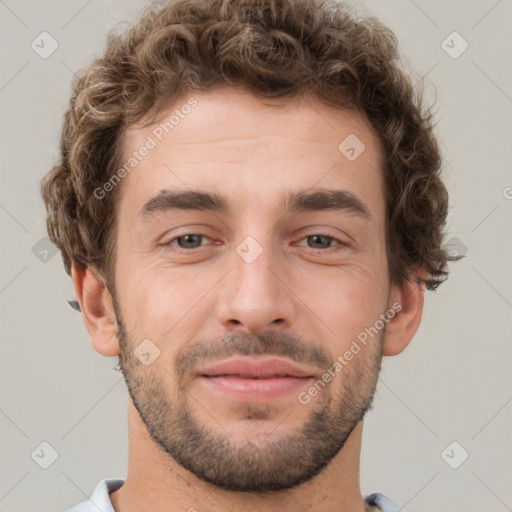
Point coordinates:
[(321, 241)]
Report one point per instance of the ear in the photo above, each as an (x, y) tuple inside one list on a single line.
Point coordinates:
[(97, 310), (408, 302)]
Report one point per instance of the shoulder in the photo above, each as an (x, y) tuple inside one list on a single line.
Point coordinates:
[(379, 502), (100, 498)]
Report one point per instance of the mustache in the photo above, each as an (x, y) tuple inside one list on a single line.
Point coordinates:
[(245, 344)]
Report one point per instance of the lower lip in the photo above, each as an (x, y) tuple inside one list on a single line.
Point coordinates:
[(256, 389)]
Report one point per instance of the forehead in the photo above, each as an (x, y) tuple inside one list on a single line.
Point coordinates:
[(247, 147)]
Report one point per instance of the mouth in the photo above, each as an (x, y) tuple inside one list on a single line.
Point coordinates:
[(258, 380)]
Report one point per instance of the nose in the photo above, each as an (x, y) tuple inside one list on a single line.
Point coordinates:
[(256, 296)]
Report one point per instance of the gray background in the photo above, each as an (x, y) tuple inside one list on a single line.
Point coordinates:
[(453, 383)]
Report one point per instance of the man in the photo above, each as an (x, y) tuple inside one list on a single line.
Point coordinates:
[(250, 206)]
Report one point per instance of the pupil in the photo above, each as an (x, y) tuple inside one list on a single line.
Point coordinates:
[(320, 237), (188, 239)]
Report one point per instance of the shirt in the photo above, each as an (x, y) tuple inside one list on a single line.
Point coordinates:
[(100, 499)]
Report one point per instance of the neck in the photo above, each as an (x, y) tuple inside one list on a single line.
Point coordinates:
[(156, 482)]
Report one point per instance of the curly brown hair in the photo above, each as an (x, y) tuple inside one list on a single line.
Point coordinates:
[(273, 49)]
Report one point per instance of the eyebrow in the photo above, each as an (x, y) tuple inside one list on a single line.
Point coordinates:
[(187, 200), (318, 200), (303, 201)]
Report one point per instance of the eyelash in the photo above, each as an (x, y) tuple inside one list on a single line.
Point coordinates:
[(341, 245)]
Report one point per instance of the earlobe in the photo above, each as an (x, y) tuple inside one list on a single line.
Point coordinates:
[(97, 310), (408, 300)]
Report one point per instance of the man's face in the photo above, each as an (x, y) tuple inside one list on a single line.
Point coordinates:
[(272, 277)]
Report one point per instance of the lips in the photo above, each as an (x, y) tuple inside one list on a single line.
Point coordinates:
[(256, 380), (264, 368)]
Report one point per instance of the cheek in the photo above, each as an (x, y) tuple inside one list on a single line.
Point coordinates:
[(158, 301), (347, 300)]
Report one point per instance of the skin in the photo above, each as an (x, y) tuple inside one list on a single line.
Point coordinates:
[(252, 151)]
